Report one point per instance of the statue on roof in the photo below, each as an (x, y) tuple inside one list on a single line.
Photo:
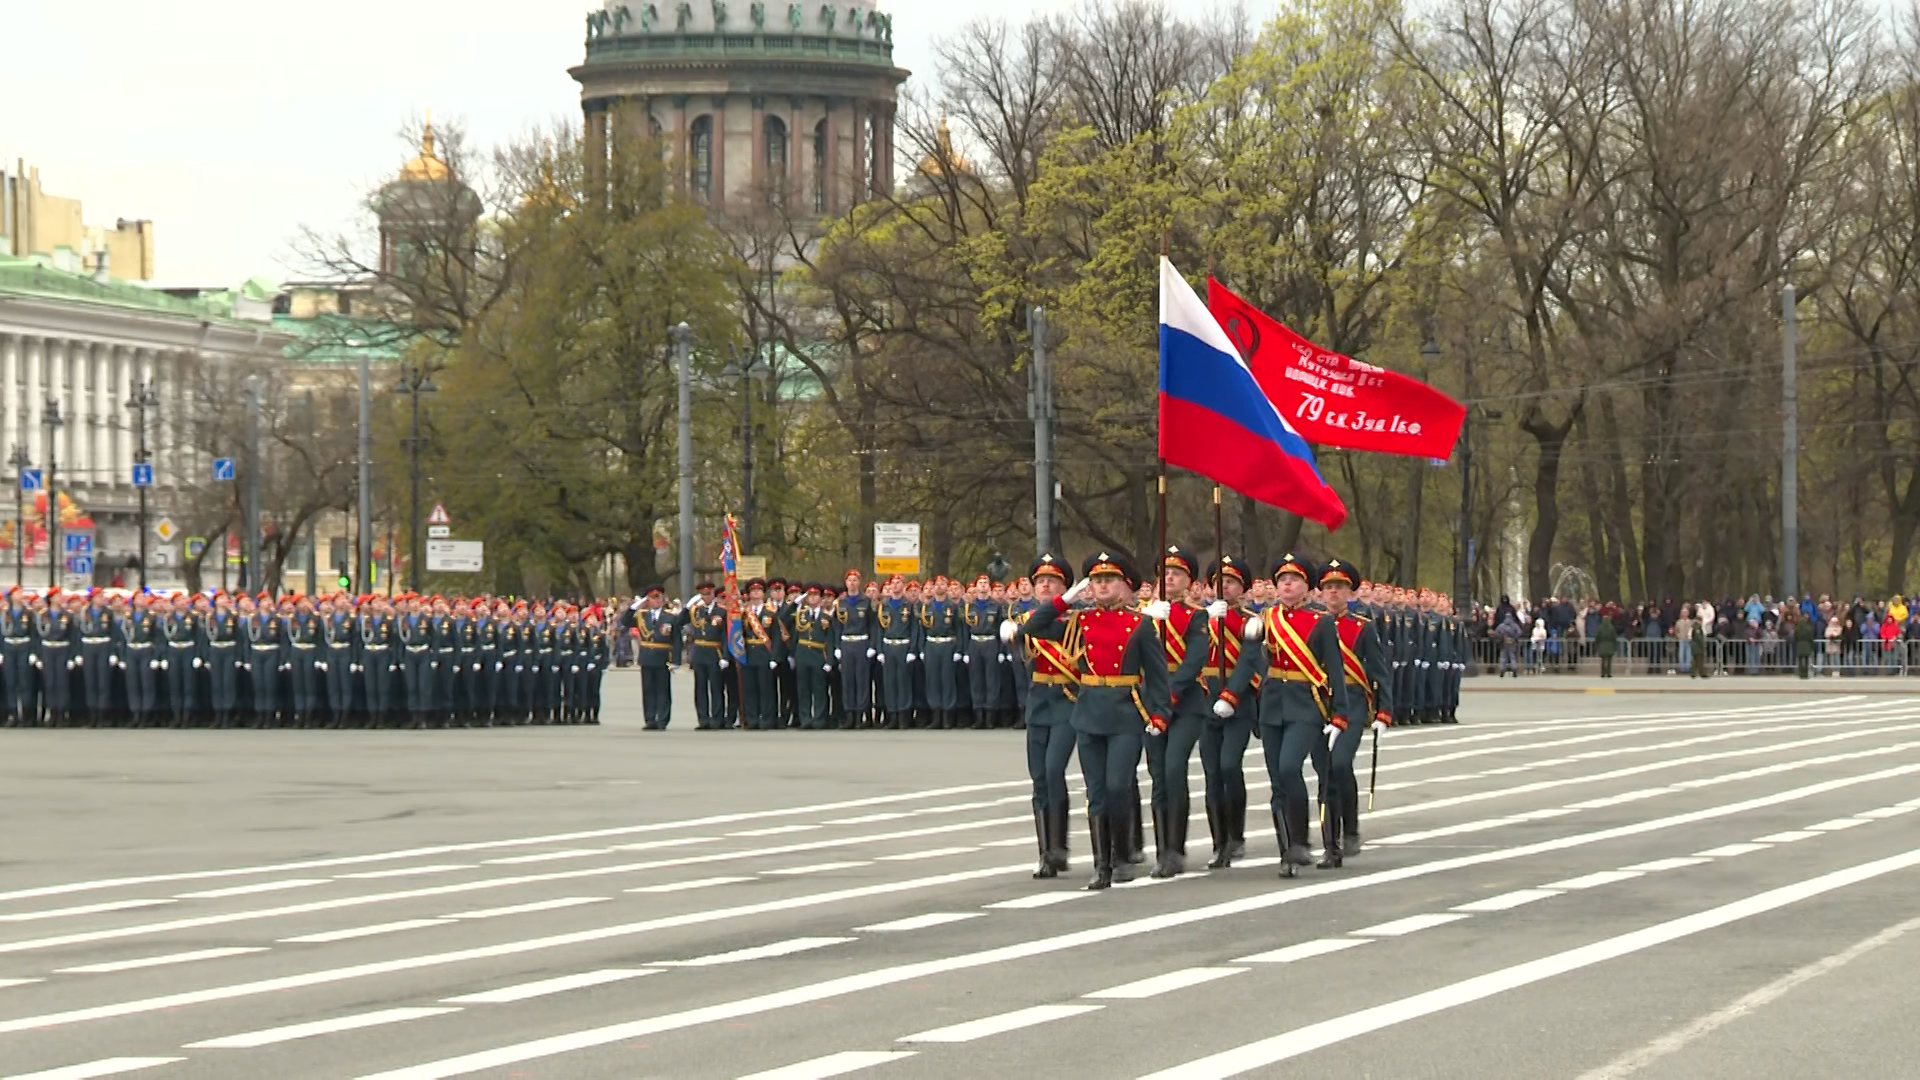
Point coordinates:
[(682, 15), (719, 14), (649, 17), (621, 16), (793, 17), (853, 20), (827, 16), (757, 11)]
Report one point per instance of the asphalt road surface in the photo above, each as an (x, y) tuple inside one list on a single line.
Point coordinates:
[(1683, 886)]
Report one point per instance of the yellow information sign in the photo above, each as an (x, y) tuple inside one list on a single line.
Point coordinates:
[(750, 567), (897, 564)]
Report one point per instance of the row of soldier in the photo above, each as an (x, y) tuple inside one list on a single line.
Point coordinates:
[(907, 655), (1208, 671), (220, 660)]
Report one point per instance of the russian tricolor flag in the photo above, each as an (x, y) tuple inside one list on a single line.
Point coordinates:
[(1216, 421)]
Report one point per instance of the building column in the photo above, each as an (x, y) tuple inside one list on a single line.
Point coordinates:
[(720, 153), (10, 393), (883, 138), (832, 184), (799, 159), (757, 159), (681, 162), (33, 355), (857, 173), (596, 144), (60, 385)]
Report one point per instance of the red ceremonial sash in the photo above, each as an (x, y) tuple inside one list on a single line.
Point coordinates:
[(1290, 643)]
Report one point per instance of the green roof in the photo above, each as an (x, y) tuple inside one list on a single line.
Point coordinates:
[(342, 339), (36, 276)]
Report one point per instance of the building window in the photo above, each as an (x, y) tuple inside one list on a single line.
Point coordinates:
[(776, 138), (346, 303), (820, 167), (700, 158)]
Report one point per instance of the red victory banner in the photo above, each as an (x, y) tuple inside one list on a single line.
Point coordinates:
[(1335, 400)]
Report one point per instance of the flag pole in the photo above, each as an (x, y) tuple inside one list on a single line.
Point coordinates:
[(1160, 558), (1219, 531)]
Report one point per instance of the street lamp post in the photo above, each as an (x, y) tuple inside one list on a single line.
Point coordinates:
[(20, 462), (683, 347), (749, 369), (414, 381), (52, 419), (142, 400)]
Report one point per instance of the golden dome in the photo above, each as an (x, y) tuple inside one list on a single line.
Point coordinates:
[(427, 166), (935, 164)]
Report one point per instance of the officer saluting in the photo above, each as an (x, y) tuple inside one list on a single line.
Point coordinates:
[(1122, 680), (1369, 681), (1303, 697)]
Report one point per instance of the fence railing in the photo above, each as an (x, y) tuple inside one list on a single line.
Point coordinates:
[(1679, 657)]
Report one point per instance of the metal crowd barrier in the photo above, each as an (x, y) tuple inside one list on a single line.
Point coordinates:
[(1670, 656)]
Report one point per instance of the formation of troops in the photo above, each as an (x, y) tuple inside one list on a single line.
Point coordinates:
[(104, 659)]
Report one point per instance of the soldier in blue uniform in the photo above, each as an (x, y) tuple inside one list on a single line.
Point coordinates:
[(337, 663), (1122, 693), (57, 632), (303, 636), (1223, 743), (1053, 677), (1369, 682), (940, 643), (225, 649), (179, 646), (1019, 672), (140, 658), (707, 655), (855, 644), (97, 658), (760, 705), (899, 644), (380, 654), (265, 644), (19, 661), (984, 649)]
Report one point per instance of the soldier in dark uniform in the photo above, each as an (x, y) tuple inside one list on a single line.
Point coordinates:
[(573, 650), (1049, 713), (655, 633), (783, 599), (415, 631), (493, 618), (1182, 627), (596, 652), (1223, 743), (304, 641), (854, 637), (443, 635), (1122, 694), (224, 649), (97, 658), (760, 707), (58, 636), (179, 645), (337, 661), (380, 653), (263, 634), (984, 649), (1302, 696), (899, 644), (1018, 673), (813, 628), (19, 661), (940, 644), (829, 603), (1369, 685), (712, 667), (516, 652), (140, 658)]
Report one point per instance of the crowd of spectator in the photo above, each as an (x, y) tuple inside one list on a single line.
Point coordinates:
[(1811, 636)]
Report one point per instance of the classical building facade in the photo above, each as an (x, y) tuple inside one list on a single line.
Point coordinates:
[(756, 101)]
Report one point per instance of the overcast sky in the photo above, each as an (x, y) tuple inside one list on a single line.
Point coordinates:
[(232, 125)]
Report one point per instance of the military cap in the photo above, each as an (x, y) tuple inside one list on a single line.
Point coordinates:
[(1230, 566), (655, 590), (1294, 564), (776, 583), (705, 586), (813, 589), (1047, 565), (752, 584), (1111, 562), (1339, 572), (1177, 557)]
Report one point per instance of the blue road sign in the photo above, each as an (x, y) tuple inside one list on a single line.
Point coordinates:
[(143, 474), (78, 543), (223, 468), (80, 564), (30, 480), (194, 545)]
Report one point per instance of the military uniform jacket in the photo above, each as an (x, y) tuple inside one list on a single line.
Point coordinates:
[(656, 632), (1053, 664), (761, 628), (379, 643), (898, 625), (444, 636), (855, 616), (983, 619), (137, 632), (1296, 653), (17, 632), (221, 639), (181, 632), (96, 630), (940, 626), (709, 634), (1121, 666), (814, 638), (466, 633), (1364, 664), (336, 633), (1188, 646), (57, 635), (264, 641)]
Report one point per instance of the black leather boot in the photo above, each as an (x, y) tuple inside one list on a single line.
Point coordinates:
[(1162, 844), (1173, 843), (1057, 837), (1222, 840), (1350, 823), (1297, 851), (1122, 822), (1287, 868), (1331, 822), (1137, 849), (1102, 842), (1042, 834), (1237, 823)]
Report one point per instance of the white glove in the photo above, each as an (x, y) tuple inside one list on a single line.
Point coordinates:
[(879, 659), (1158, 609), (790, 661), (246, 667), (826, 669), (836, 654), (869, 654), (75, 662), (497, 665), (1078, 590), (909, 658), (1009, 630), (724, 664), (1253, 629), (1333, 735), (196, 663), (773, 665), (320, 665), (154, 665), (1377, 726), (1217, 609), (433, 663), (1223, 709)]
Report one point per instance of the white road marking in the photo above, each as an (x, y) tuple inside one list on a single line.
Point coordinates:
[(882, 977), (1544, 813), (524, 909), (270, 1036), (1306, 950), (1037, 900), (1787, 837), (1630, 1063), (506, 995), (921, 922), (248, 890), (1620, 799), (156, 961), (995, 1025), (4, 983), (1408, 925), (1727, 851), (678, 841), (958, 807), (821, 1068), (819, 868), (1911, 802), (1888, 811), (364, 931), (408, 871), (92, 1069), (1594, 880), (1508, 901), (1837, 824), (1165, 984), (548, 856), (1656, 865), (1292, 1044), (931, 853), (698, 883), (758, 952), (775, 830), (84, 909), (1017, 841), (868, 819)]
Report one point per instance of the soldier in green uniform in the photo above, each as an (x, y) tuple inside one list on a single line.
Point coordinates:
[(784, 599), (1182, 628), (656, 629), (813, 627), (1369, 685), (759, 703), (1223, 743), (1053, 677), (712, 674)]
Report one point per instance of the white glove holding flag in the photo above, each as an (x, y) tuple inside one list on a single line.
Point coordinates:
[(1377, 726), (1217, 609), (1333, 735), (1159, 609)]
